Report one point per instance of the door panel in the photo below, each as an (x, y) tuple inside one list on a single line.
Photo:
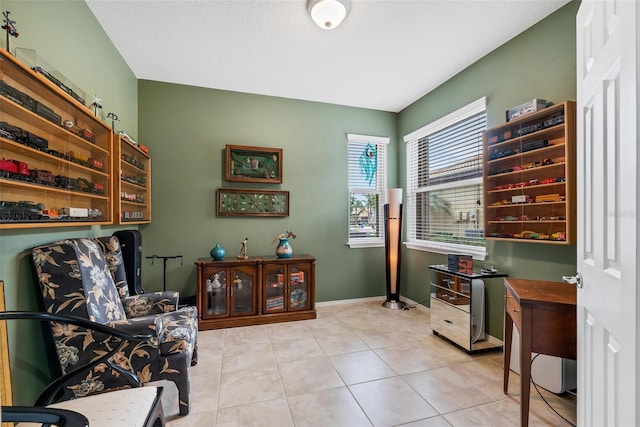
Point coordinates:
[(607, 161), (274, 288), (243, 290), (216, 296)]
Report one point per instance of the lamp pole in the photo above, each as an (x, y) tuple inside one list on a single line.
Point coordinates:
[(392, 246)]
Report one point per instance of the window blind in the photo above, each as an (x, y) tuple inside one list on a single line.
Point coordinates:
[(367, 166), (444, 181)]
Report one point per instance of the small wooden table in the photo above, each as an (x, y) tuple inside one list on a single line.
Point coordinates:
[(545, 315)]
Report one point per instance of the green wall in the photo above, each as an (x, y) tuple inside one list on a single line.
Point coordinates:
[(187, 128), (539, 63), (68, 37)]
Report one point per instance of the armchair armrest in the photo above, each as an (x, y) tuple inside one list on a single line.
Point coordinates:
[(152, 327), (46, 416), (151, 303)]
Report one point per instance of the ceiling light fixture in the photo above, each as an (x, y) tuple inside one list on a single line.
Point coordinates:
[(328, 14)]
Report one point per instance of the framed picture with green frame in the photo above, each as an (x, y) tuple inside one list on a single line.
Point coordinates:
[(251, 202), (245, 163)]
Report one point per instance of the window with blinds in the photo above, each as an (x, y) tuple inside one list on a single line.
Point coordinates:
[(444, 183), (367, 189)]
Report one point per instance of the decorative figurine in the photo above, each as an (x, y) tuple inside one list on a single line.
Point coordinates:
[(243, 250), (214, 285), (96, 104), (10, 28), (114, 119)]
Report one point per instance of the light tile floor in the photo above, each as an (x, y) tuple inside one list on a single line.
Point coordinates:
[(357, 364)]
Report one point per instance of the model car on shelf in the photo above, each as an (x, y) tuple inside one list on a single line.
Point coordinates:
[(502, 235), (533, 145), (531, 235), (549, 198)]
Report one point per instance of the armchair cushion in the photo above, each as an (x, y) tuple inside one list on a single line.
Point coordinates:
[(110, 246), (150, 303)]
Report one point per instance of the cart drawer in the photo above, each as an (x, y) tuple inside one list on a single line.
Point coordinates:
[(451, 322)]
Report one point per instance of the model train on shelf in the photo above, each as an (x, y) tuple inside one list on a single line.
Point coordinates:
[(17, 170), (29, 139), (132, 161), (24, 211), (42, 110)]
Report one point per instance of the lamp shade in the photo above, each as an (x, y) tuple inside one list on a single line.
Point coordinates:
[(394, 198), (328, 14)]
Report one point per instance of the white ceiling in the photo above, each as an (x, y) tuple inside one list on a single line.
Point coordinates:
[(384, 56)]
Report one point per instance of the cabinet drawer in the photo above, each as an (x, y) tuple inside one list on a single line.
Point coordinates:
[(512, 309), (451, 322)]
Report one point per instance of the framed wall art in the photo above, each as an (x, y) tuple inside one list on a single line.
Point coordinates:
[(247, 202), (253, 164)]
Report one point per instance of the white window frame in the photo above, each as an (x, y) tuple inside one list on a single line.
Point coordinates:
[(380, 191), (478, 252)]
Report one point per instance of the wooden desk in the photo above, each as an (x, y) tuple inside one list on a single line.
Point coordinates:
[(545, 315)]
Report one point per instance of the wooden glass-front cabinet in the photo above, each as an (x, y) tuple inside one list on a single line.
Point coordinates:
[(286, 286), (255, 291), (229, 290)]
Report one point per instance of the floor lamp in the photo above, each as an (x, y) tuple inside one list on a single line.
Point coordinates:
[(392, 238)]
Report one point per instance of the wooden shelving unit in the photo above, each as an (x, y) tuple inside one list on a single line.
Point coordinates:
[(56, 154), (529, 177), (133, 189)]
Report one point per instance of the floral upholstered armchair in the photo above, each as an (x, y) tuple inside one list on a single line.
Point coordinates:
[(76, 279)]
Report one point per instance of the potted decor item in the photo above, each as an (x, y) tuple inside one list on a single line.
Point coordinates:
[(218, 252), (284, 249)]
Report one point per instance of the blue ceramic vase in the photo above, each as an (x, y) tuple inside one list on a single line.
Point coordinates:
[(218, 252), (284, 249)]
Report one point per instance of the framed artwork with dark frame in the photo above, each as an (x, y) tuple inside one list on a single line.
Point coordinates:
[(247, 202), (253, 164)]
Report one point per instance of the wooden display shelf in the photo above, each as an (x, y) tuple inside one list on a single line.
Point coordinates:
[(514, 167), (131, 179), (57, 160)]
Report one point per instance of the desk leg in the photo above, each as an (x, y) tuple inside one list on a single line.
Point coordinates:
[(526, 338), (508, 337)]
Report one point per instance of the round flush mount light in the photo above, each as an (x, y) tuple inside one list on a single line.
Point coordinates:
[(328, 14)]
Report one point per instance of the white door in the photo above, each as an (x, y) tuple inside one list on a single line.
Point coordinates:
[(607, 257)]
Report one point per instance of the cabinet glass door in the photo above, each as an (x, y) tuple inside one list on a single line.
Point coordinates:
[(242, 291), (274, 288), (216, 292), (299, 286)]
